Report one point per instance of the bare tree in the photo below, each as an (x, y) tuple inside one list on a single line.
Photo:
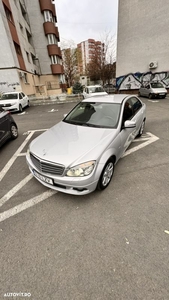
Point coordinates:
[(71, 57), (102, 65)]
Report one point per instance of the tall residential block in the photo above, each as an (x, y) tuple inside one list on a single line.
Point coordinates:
[(88, 50), (30, 56)]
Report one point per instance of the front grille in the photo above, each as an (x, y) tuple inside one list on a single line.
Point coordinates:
[(47, 167)]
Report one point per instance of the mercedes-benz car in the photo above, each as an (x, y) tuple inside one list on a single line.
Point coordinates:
[(78, 154)]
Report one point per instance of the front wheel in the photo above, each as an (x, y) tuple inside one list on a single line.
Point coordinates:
[(150, 96), (14, 131), (106, 175)]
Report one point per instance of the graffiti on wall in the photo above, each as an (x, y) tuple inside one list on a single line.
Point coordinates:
[(133, 81)]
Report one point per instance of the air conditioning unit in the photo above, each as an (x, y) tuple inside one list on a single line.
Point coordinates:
[(153, 65), (21, 74)]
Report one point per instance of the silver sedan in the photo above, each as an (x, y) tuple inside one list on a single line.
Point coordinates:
[(78, 154)]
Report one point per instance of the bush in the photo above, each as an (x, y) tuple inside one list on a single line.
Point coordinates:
[(77, 88)]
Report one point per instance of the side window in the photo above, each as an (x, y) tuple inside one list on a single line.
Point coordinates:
[(20, 96), (136, 105), (128, 111)]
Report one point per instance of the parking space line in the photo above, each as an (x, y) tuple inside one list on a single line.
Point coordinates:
[(15, 189), (14, 157), (151, 140), (27, 204)]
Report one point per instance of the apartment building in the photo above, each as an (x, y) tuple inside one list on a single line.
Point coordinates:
[(88, 49), (142, 43), (30, 57)]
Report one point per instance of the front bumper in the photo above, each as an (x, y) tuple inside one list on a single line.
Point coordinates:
[(65, 184), (11, 108)]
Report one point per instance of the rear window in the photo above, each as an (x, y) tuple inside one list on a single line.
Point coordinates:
[(155, 85)]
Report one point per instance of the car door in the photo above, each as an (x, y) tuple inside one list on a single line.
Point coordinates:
[(4, 126), (21, 100), (127, 135), (147, 90), (138, 112), (24, 99)]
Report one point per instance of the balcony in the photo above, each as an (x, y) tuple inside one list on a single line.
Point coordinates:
[(57, 69), (47, 5), (54, 50), (49, 27)]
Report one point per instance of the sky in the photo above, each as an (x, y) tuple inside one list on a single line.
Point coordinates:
[(79, 20)]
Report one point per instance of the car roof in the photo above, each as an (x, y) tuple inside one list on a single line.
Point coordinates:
[(117, 98), (12, 92)]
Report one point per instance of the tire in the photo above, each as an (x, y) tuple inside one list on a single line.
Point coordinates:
[(141, 129), (28, 105), (20, 108), (150, 96), (14, 131), (106, 175)]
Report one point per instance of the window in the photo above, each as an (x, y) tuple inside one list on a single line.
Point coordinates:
[(136, 105), (54, 59), (18, 49), (25, 78), (29, 36), (8, 14), (28, 58), (48, 17), (52, 39)]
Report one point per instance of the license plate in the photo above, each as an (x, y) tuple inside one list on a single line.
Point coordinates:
[(43, 178)]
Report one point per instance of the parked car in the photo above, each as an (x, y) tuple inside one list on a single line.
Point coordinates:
[(109, 88), (8, 127), (14, 101), (93, 90), (78, 154), (153, 90)]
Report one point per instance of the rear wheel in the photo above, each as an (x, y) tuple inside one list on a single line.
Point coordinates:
[(14, 131), (20, 108), (106, 175)]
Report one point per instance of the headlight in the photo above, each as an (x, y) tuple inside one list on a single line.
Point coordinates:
[(82, 169)]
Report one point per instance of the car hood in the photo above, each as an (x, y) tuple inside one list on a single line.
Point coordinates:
[(7, 101), (69, 144)]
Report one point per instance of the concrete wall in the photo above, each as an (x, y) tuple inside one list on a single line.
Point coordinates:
[(142, 38)]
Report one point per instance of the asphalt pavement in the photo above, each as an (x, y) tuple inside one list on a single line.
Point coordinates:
[(110, 245)]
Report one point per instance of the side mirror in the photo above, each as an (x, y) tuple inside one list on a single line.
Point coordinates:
[(129, 124)]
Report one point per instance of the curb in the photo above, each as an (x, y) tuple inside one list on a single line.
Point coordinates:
[(53, 101)]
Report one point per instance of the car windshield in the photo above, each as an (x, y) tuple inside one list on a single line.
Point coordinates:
[(155, 85), (9, 96), (94, 114), (95, 89)]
